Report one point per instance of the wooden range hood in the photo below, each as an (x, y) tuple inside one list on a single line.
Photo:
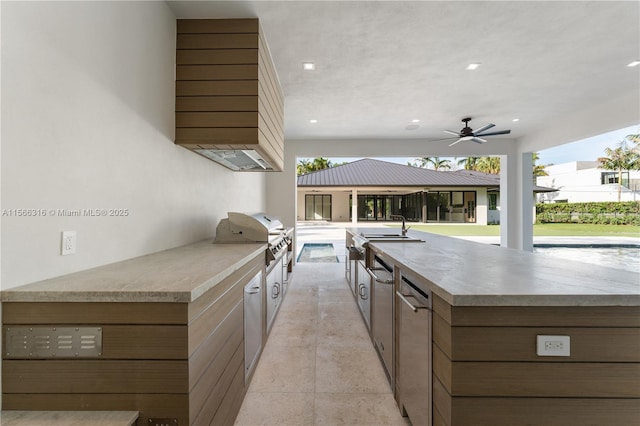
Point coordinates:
[(229, 104)]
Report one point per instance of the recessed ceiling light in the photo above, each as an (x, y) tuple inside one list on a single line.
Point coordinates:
[(473, 66), (634, 64), (415, 120), (515, 120), (313, 121), (308, 66)]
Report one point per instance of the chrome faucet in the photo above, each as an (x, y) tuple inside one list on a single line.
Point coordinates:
[(400, 217)]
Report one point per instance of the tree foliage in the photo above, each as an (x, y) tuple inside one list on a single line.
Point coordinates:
[(435, 163), (305, 166), (625, 156)]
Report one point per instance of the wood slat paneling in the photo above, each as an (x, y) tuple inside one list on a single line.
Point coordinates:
[(216, 72), (441, 334), (93, 313), (232, 400), (216, 119), (519, 344), (441, 402), (240, 138), (94, 376), (148, 405), (268, 152), (201, 72), (545, 411), (217, 41), (230, 330), (204, 325), (442, 368), (216, 103), (209, 26), (555, 316), (217, 57), (544, 379), (144, 342), (442, 308), (216, 88), (242, 276), (217, 390)]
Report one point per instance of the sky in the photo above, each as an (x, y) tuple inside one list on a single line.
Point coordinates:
[(589, 149)]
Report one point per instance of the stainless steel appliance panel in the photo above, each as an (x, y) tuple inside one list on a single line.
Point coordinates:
[(382, 310), (252, 324), (415, 352), (364, 293), (273, 291)]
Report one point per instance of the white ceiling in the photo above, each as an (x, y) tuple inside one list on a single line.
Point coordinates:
[(381, 64)]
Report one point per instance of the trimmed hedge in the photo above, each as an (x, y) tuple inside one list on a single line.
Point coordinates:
[(604, 213)]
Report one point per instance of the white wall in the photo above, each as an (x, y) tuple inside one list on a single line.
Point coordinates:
[(88, 123)]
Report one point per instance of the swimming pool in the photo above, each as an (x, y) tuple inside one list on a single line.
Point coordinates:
[(625, 257)]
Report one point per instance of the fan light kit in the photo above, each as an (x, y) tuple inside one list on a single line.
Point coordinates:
[(468, 134)]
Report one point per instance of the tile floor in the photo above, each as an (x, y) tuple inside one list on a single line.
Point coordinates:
[(319, 366)]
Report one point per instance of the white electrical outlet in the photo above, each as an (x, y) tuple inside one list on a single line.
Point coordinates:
[(68, 244), (553, 346)]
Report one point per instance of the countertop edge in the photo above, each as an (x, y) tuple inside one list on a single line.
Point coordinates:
[(19, 294), (505, 300)]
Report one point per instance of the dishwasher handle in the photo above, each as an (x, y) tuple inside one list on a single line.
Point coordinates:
[(375, 277), (414, 308)]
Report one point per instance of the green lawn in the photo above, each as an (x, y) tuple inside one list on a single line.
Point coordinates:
[(547, 229)]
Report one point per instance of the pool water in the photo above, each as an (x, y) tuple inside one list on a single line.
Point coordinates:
[(318, 253), (627, 258)]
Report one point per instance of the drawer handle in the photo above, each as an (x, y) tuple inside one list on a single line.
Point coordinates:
[(414, 308), (375, 277), (253, 290)]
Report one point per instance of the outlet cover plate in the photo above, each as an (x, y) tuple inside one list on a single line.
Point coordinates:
[(68, 243), (553, 346)]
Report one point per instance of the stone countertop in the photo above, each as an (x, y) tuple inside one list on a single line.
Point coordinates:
[(68, 418), (466, 273), (178, 275)]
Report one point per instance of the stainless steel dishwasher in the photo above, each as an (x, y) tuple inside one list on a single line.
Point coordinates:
[(252, 324), (382, 312), (414, 378)]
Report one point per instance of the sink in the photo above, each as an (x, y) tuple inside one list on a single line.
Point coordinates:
[(390, 238)]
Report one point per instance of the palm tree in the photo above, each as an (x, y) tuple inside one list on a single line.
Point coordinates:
[(489, 165), (619, 159), (470, 163), (538, 169), (436, 162), (305, 166)]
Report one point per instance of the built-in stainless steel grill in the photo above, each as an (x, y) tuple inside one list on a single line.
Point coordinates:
[(255, 228)]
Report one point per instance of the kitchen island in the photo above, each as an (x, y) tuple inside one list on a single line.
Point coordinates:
[(161, 335), (489, 305)]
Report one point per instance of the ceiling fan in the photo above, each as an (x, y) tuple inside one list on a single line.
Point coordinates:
[(468, 134)]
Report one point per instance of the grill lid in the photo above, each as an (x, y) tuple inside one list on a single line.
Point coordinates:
[(245, 228)]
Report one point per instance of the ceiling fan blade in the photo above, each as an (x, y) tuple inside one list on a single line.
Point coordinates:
[(478, 140), (441, 139), (459, 140), (483, 128), (499, 132), (452, 132)]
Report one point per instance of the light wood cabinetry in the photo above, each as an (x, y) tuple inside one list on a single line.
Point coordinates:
[(486, 371), (228, 96), (182, 361)]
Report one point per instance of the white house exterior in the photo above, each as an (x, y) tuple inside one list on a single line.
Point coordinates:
[(584, 181), (372, 190)]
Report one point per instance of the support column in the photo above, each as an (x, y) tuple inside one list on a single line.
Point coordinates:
[(527, 201), (516, 201), (354, 206)]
